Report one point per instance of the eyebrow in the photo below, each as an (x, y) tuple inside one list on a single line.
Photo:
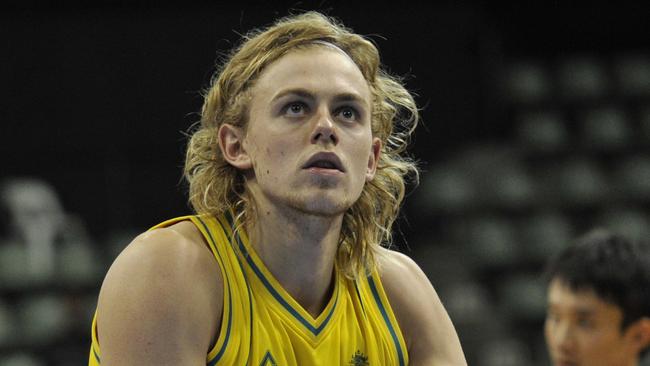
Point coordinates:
[(585, 312), (304, 93), (580, 311)]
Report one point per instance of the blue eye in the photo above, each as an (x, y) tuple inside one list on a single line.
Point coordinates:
[(295, 109), (348, 113)]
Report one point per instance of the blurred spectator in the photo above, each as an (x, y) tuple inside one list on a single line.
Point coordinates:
[(599, 302), (35, 218), (41, 241)]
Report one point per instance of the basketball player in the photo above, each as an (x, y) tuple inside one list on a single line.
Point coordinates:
[(296, 175), (599, 302)]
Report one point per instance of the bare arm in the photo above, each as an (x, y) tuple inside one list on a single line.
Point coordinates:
[(430, 336), (161, 301)]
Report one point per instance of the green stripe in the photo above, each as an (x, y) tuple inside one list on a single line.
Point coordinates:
[(356, 287), (268, 358), (248, 287), (225, 343), (384, 314), (96, 355)]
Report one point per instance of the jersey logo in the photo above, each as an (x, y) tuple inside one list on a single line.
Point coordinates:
[(268, 360), (359, 359)]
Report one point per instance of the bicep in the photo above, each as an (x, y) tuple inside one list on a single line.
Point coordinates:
[(429, 332), (153, 309)]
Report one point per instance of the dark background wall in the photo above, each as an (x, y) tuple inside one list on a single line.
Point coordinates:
[(95, 98)]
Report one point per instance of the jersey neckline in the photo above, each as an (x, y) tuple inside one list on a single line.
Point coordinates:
[(282, 299)]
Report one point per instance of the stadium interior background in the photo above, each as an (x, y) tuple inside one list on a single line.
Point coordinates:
[(536, 127)]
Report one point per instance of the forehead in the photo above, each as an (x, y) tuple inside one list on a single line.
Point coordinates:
[(319, 68), (560, 292), (562, 297)]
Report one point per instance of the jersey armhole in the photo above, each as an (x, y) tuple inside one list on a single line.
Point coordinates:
[(219, 346), (381, 299), (94, 347)]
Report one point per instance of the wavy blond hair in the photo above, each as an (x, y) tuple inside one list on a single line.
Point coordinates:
[(216, 186)]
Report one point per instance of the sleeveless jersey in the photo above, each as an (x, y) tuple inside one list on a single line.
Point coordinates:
[(262, 325)]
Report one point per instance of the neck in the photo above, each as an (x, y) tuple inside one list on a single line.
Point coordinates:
[(299, 249)]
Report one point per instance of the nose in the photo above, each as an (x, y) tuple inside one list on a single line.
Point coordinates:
[(563, 338), (324, 129)]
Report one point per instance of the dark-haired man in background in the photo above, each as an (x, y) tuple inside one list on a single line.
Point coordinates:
[(599, 302)]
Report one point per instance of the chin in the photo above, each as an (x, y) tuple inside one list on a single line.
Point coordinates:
[(323, 205), (325, 210)]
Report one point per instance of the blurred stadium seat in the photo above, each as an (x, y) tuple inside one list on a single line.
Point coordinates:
[(581, 181), (43, 318), (507, 351), (8, 326), (632, 72), (21, 359), (13, 266), (444, 263), (605, 128), (582, 77), (481, 176), (633, 178), (644, 125), (527, 81), (544, 234), (628, 221), (542, 131), (467, 302), (523, 297), (447, 188), (489, 243)]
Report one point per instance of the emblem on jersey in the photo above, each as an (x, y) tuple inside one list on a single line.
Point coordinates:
[(359, 359), (268, 360)]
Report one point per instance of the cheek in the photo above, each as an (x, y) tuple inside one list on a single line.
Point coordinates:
[(273, 161), (547, 331), (362, 155), (267, 151), (600, 341), (598, 348), (275, 154), (550, 334)]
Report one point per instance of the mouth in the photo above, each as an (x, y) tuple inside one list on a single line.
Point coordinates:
[(565, 362), (324, 162)]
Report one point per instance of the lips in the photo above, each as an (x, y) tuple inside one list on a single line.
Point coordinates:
[(324, 160), (565, 362)]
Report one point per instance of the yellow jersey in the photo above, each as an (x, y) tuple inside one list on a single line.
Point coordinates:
[(262, 325)]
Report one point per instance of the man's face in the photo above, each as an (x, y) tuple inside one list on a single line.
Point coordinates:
[(309, 137), (583, 330)]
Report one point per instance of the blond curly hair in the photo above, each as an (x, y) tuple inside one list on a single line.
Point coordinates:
[(216, 186)]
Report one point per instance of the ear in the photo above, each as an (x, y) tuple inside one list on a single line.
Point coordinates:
[(373, 159), (640, 333), (231, 142)]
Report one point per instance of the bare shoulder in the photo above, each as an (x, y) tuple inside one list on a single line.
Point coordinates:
[(407, 287), (403, 280), (428, 330), (395, 263), (160, 301)]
